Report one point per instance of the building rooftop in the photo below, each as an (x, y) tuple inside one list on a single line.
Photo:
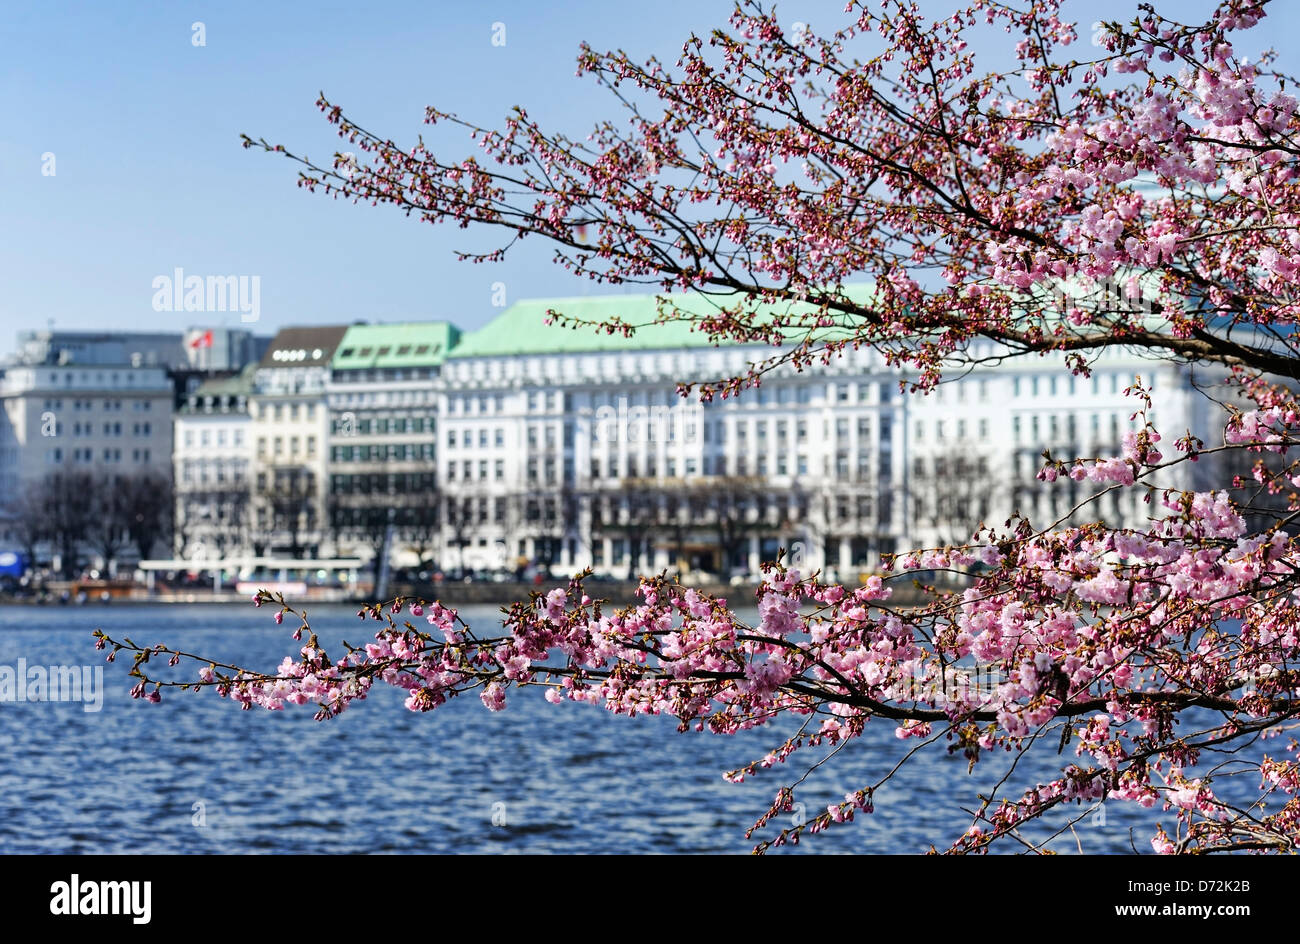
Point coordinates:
[(303, 346), (100, 348), (407, 344), (235, 385), (522, 328)]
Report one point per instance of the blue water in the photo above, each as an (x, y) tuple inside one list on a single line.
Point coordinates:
[(197, 774)]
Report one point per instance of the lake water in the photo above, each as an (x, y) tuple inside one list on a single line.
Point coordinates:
[(196, 774)]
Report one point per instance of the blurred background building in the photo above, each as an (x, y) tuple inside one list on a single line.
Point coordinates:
[(522, 446)]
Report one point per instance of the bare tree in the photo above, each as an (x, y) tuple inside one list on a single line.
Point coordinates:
[(460, 523), (106, 530), (214, 514), (362, 506), (631, 513), (420, 525), (952, 493), (63, 499), (147, 509), (26, 515), (287, 495)]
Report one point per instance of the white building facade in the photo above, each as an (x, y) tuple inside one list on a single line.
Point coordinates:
[(90, 426), (212, 462), (572, 449), (523, 443), (288, 432), (382, 396)]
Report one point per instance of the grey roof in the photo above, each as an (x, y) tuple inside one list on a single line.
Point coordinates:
[(303, 347)]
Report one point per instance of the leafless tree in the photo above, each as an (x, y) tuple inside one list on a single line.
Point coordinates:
[(288, 502), (63, 498), (26, 516), (952, 492), (147, 508)]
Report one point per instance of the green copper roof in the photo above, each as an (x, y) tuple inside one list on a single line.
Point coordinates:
[(409, 344), (522, 328)]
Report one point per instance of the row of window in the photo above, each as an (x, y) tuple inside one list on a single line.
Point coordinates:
[(857, 510), (278, 444), (1051, 426), (467, 470), (348, 424), (960, 466), (390, 452), (1053, 385), (1054, 428), (217, 437), (110, 406), (218, 474), (384, 483), (111, 429), (138, 406), (944, 427), (484, 405), (277, 412), (546, 471), (381, 374), (129, 379), (86, 455), (654, 428), (425, 397), (628, 364), (290, 482), (466, 437)]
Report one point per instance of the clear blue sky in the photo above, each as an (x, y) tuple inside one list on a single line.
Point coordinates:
[(150, 176)]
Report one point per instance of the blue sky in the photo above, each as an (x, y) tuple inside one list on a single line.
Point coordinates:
[(150, 176)]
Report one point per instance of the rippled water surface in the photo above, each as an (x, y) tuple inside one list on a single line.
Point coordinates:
[(196, 774)]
